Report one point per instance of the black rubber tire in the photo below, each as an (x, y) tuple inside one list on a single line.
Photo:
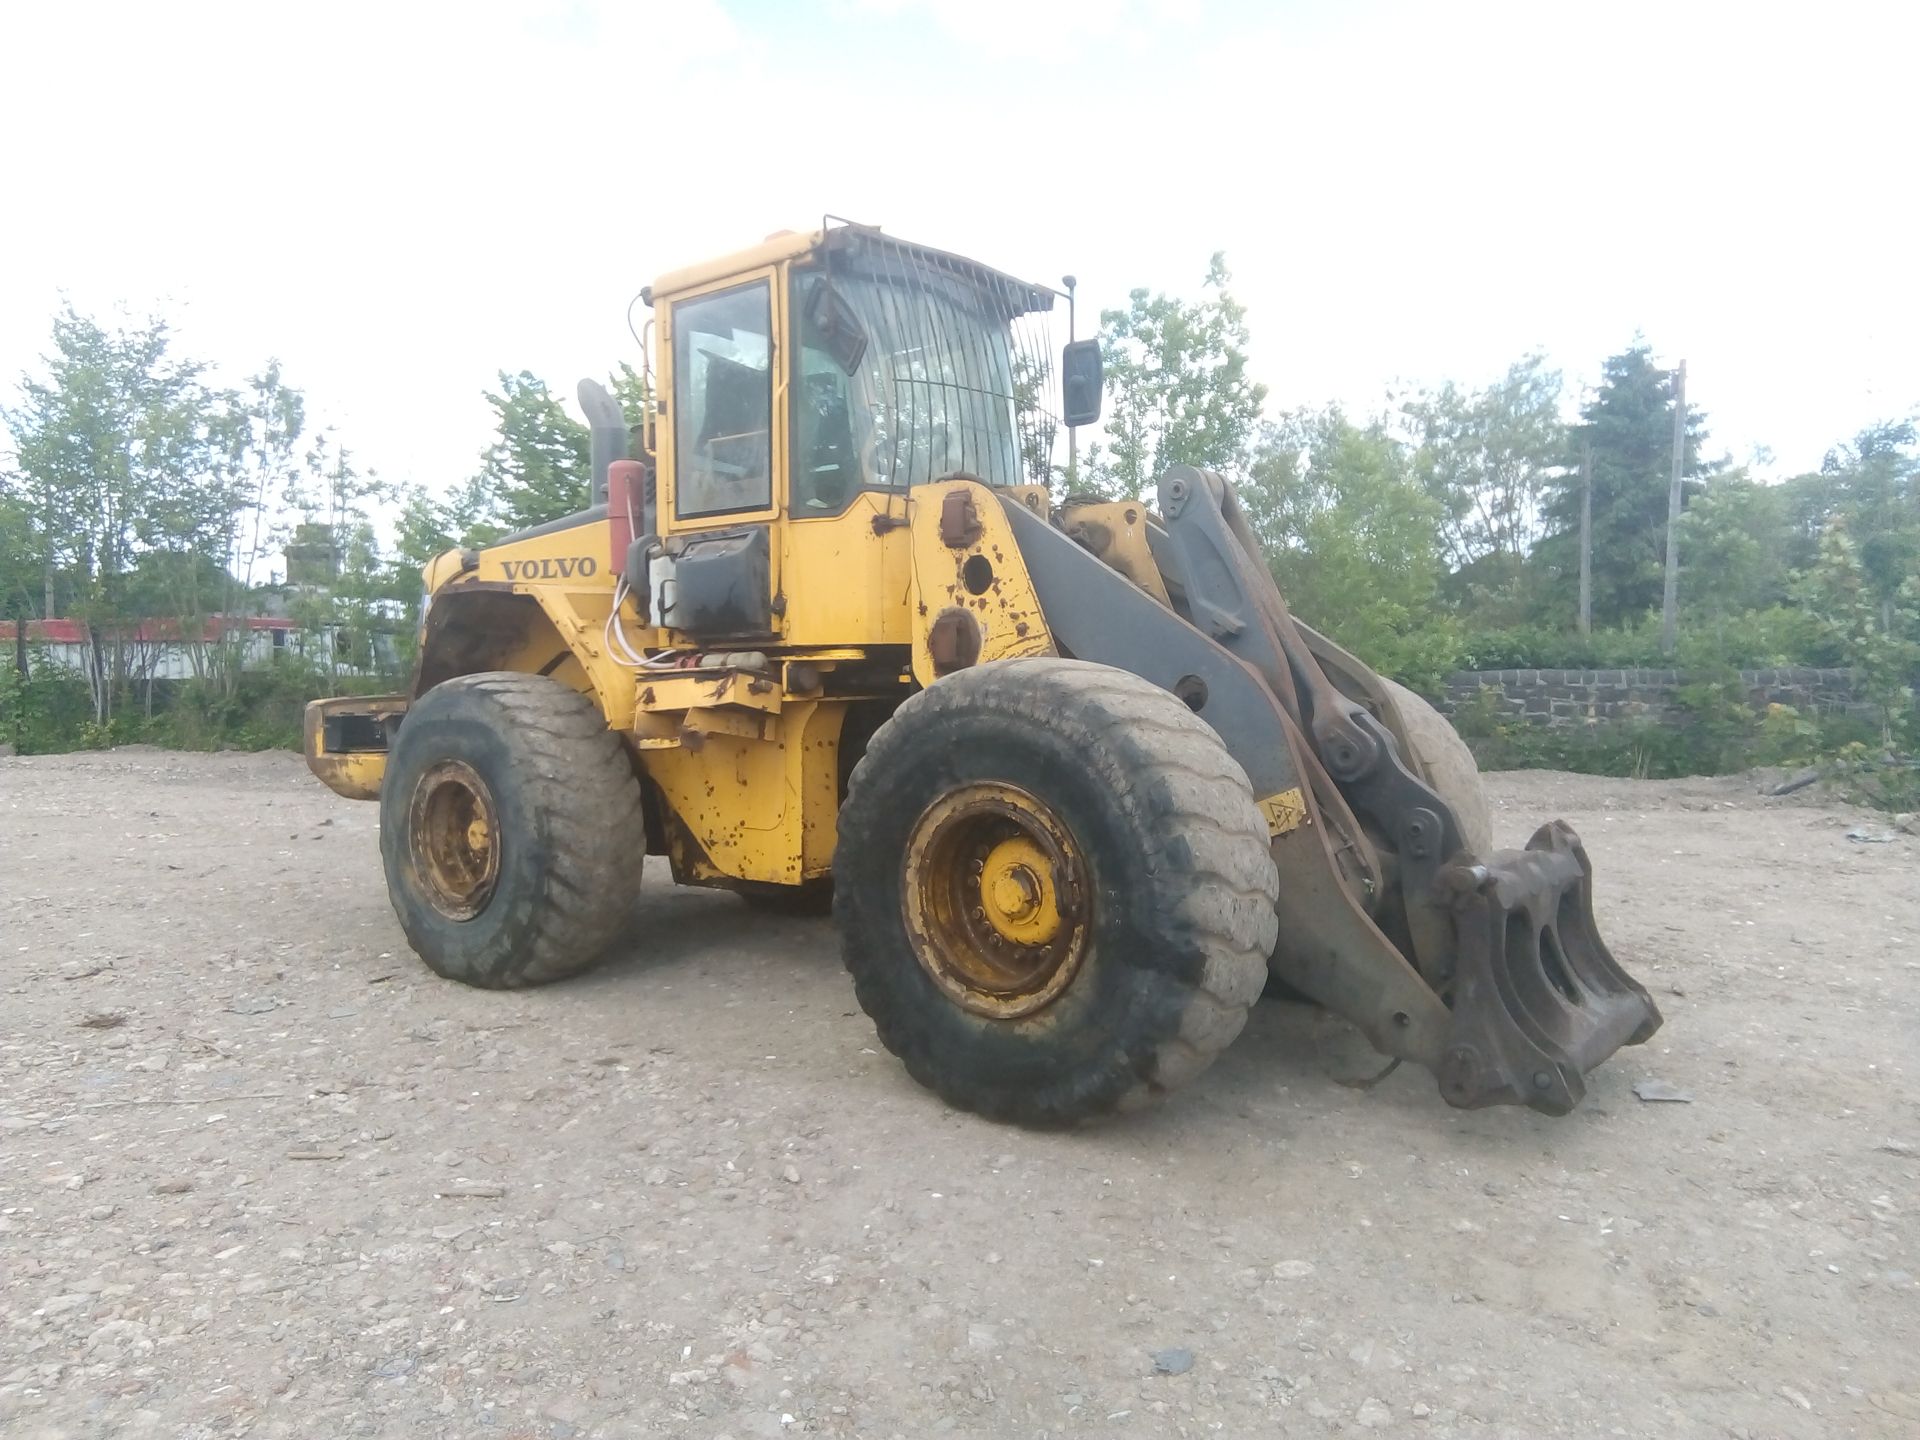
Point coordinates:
[(1182, 882), (571, 832)]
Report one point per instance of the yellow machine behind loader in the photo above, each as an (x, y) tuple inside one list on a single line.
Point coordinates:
[(1076, 783)]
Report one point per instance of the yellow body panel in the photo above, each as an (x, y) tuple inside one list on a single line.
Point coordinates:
[(568, 574), (754, 807), (1037, 498), (692, 689), (846, 576), (981, 581), (1116, 531), (572, 561), (445, 566)]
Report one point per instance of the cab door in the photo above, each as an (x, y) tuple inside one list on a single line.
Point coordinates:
[(724, 458)]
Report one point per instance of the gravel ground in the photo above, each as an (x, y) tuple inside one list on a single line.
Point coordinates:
[(261, 1174)]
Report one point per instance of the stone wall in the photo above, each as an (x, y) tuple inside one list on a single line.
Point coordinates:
[(1567, 697)]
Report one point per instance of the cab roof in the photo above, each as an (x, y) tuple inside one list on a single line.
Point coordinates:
[(796, 244), (781, 245)]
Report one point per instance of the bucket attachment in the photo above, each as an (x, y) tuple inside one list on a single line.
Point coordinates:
[(1538, 1001)]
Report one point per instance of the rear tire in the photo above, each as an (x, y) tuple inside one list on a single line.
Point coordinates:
[(1152, 864), (512, 830)]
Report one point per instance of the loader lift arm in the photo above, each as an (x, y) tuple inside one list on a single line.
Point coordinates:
[(1498, 982)]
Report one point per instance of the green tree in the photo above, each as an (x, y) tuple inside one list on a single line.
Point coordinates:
[(20, 568), (1736, 575), (430, 524), (1177, 387), (634, 391), (116, 444), (1734, 541), (537, 468), (1487, 457), (1039, 429), (263, 428), (355, 615), (1879, 638), (1353, 539), (1629, 423), (1809, 504), (1874, 484), (208, 532)]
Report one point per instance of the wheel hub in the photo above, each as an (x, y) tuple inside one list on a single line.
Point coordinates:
[(454, 825), (1016, 886), (996, 899)]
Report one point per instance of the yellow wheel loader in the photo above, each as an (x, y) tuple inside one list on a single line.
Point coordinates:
[(1075, 783)]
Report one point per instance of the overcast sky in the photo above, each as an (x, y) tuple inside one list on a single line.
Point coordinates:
[(398, 200)]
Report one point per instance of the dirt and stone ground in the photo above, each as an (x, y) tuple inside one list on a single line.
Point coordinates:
[(261, 1174)]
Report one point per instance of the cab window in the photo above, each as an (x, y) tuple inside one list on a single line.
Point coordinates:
[(901, 379), (832, 413), (723, 402)]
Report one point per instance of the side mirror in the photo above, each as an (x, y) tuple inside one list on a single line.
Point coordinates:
[(835, 326), (1081, 377)]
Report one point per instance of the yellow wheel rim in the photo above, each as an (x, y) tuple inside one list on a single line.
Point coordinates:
[(997, 900), (454, 828)]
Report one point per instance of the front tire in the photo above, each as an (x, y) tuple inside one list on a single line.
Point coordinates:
[(1054, 890), (511, 829)]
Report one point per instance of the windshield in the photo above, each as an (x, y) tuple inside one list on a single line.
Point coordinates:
[(915, 375)]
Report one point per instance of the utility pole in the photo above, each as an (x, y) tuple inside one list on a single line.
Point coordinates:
[(1586, 538), (1073, 432), (1670, 598)]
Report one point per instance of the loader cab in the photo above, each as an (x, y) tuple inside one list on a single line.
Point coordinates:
[(809, 385)]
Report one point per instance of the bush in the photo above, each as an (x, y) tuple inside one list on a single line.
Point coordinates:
[(47, 711), (265, 712), (1764, 639), (1717, 736), (52, 711), (1757, 639), (1639, 749), (1720, 725), (1866, 774), (1420, 658), (1542, 647)]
